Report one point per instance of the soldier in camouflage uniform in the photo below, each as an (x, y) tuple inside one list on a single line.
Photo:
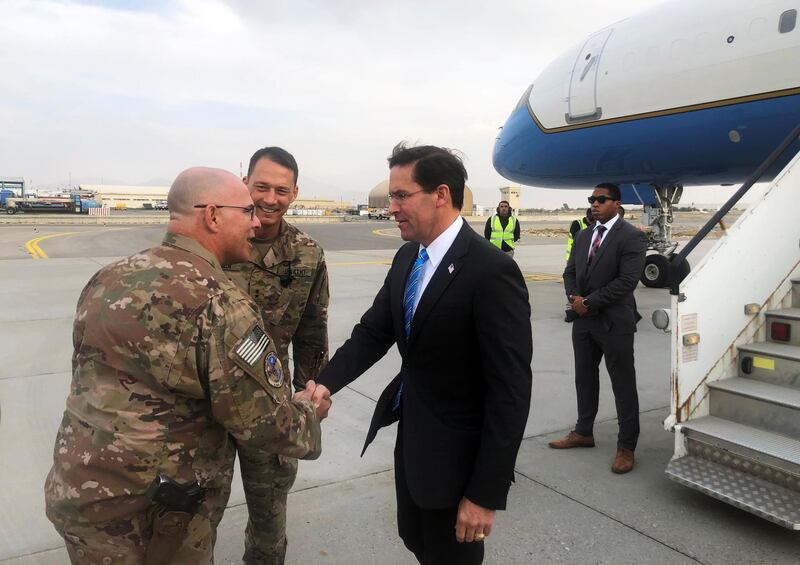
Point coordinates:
[(171, 366), (287, 277)]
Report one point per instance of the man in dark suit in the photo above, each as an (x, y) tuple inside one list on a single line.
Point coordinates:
[(458, 310), (602, 272)]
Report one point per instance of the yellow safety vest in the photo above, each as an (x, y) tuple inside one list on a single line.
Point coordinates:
[(570, 240), (500, 235)]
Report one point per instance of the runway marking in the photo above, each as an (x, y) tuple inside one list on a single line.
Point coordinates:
[(541, 277), (382, 232), (36, 252)]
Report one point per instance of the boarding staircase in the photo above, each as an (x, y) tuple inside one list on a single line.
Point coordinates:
[(735, 324)]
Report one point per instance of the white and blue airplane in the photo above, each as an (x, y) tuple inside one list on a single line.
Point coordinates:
[(689, 93)]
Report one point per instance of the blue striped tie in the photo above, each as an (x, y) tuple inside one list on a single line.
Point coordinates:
[(412, 285)]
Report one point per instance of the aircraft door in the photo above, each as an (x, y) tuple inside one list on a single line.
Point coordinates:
[(582, 86)]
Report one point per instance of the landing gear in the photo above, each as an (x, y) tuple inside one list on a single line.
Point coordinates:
[(658, 217)]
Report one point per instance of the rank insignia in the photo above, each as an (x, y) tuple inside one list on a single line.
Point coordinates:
[(273, 369)]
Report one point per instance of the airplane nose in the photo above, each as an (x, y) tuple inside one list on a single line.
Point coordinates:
[(512, 146)]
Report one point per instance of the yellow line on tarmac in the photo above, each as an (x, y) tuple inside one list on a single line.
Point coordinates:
[(36, 252), (541, 277), (382, 232)]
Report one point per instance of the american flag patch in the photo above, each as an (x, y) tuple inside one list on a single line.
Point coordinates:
[(253, 346)]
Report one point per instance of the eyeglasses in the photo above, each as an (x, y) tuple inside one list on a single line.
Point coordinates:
[(401, 197), (246, 209), (602, 199)]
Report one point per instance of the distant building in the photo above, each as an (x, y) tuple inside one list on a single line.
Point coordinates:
[(379, 198), (511, 195), (320, 204), (123, 196)]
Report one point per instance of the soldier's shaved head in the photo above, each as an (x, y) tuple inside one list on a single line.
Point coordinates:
[(226, 220), (196, 186)]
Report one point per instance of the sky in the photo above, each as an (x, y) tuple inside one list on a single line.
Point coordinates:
[(133, 92)]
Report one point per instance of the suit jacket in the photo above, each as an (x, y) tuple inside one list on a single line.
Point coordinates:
[(608, 283), (466, 367)]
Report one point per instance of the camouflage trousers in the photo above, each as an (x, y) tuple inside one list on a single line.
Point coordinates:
[(267, 481), (125, 541)]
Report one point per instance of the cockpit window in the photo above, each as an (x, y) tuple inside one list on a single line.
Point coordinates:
[(787, 21), (524, 100)]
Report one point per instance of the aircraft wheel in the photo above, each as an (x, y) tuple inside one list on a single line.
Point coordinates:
[(656, 271)]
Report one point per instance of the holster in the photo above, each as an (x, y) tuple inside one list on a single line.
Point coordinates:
[(174, 507), (169, 529)]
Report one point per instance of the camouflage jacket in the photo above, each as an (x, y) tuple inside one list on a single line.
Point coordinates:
[(290, 285), (170, 367)]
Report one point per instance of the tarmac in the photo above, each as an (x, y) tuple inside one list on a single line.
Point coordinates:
[(565, 507)]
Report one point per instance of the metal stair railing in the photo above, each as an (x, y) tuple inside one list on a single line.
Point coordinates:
[(674, 269)]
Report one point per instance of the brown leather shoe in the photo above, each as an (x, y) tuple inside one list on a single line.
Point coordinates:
[(572, 440), (623, 462)]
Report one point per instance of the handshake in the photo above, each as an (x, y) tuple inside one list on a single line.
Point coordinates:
[(318, 395)]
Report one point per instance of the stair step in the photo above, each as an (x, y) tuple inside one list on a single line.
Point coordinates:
[(757, 440), (770, 349), (776, 363), (790, 316), (758, 496), (788, 313), (758, 404), (759, 390)]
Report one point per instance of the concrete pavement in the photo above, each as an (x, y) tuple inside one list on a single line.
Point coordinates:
[(566, 506)]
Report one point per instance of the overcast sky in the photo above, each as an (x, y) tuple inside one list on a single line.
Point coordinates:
[(132, 92)]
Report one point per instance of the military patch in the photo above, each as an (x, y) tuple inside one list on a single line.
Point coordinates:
[(252, 346), (301, 271), (274, 370)]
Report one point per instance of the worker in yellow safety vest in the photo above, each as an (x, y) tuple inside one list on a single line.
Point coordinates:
[(576, 226), (502, 229)]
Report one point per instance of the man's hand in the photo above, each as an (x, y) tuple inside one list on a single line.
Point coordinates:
[(321, 399), (577, 305), (320, 393), (473, 522)]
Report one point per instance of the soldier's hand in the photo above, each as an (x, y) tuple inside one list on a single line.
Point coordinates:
[(303, 394)]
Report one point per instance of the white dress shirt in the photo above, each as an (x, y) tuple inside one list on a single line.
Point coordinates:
[(608, 225), (436, 252)]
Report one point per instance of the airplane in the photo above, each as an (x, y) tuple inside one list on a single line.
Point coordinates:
[(688, 93)]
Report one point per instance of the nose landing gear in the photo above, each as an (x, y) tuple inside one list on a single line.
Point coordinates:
[(659, 217)]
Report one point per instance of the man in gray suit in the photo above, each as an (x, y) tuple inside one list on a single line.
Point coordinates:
[(602, 272)]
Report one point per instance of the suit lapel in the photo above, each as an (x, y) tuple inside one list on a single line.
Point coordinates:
[(582, 255), (442, 278)]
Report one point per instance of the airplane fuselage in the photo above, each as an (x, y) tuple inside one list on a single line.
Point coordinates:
[(688, 93)]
